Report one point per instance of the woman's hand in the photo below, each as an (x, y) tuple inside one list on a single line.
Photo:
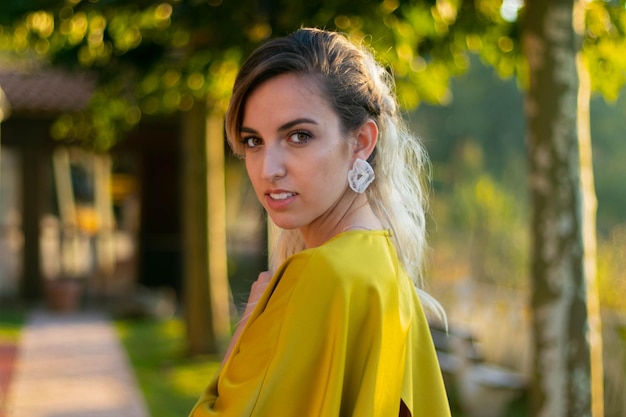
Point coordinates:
[(256, 291)]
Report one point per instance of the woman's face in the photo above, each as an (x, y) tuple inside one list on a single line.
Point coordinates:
[(296, 154)]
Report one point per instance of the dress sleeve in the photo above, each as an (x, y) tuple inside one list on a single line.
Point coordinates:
[(329, 341)]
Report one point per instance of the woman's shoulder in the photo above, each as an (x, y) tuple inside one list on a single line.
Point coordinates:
[(357, 243), (353, 245), (350, 258)]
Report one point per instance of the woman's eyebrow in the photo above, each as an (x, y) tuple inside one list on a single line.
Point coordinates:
[(296, 122), (283, 127), (244, 129)]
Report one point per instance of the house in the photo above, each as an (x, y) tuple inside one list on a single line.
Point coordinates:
[(67, 212)]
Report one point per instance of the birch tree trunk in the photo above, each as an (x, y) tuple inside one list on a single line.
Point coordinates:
[(206, 289), (561, 257), (589, 208)]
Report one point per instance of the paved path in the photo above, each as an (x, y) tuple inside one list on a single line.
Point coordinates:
[(72, 365)]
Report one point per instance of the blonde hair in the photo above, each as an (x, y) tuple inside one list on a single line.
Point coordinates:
[(358, 88)]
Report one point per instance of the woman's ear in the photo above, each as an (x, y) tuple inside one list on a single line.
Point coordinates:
[(366, 138)]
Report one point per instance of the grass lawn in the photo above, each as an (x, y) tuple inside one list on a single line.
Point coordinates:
[(171, 382), (11, 322)]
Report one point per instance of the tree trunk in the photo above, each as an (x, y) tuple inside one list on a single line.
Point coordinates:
[(589, 208), (561, 260), (205, 275)]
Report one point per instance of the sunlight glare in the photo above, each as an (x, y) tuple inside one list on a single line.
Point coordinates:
[(510, 8)]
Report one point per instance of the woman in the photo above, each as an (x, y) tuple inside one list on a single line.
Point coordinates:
[(336, 328)]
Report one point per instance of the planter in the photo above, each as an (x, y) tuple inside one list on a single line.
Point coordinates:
[(64, 294)]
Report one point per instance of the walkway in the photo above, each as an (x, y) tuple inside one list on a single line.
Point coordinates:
[(72, 365)]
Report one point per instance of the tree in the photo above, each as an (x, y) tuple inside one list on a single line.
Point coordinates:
[(559, 272)]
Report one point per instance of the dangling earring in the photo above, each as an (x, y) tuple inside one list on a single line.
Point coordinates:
[(360, 176)]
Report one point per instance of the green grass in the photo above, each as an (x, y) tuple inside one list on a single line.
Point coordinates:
[(170, 381), (11, 323)]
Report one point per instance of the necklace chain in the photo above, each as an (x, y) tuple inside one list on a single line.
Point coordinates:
[(355, 227)]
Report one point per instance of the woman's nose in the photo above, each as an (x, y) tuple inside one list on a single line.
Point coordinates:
[(273, 163)]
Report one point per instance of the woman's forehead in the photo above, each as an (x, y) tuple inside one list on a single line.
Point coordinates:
[(287, 96)]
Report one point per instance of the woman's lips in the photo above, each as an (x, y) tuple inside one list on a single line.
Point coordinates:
[(277, 200), (281, 195)]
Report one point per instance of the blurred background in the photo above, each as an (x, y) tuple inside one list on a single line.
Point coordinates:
[(118, 193)]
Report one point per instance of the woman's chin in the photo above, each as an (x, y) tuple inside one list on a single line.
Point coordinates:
[(285, 224)]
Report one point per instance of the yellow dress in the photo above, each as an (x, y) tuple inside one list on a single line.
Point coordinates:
[(339, 331)]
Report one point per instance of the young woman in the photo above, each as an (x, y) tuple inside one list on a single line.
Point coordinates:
[(336, 328)]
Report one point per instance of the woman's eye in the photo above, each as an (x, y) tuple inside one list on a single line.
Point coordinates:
[(251, 142), (300, 137)]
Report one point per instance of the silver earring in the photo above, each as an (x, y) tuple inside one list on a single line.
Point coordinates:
[(360, 176)]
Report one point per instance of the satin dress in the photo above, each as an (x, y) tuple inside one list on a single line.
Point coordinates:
[(339, 331)]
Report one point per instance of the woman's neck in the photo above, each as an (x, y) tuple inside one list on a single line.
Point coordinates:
[(357, 216)]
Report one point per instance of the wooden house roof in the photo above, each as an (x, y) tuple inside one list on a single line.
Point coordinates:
[(44, 91)]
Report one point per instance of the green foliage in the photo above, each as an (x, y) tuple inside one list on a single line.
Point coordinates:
[(611, 267), (481, 221), (608, 121), (155, 57), (158, 56), (479, 138), (149, 57), (170, 381), (479, 203), (604, 44)]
